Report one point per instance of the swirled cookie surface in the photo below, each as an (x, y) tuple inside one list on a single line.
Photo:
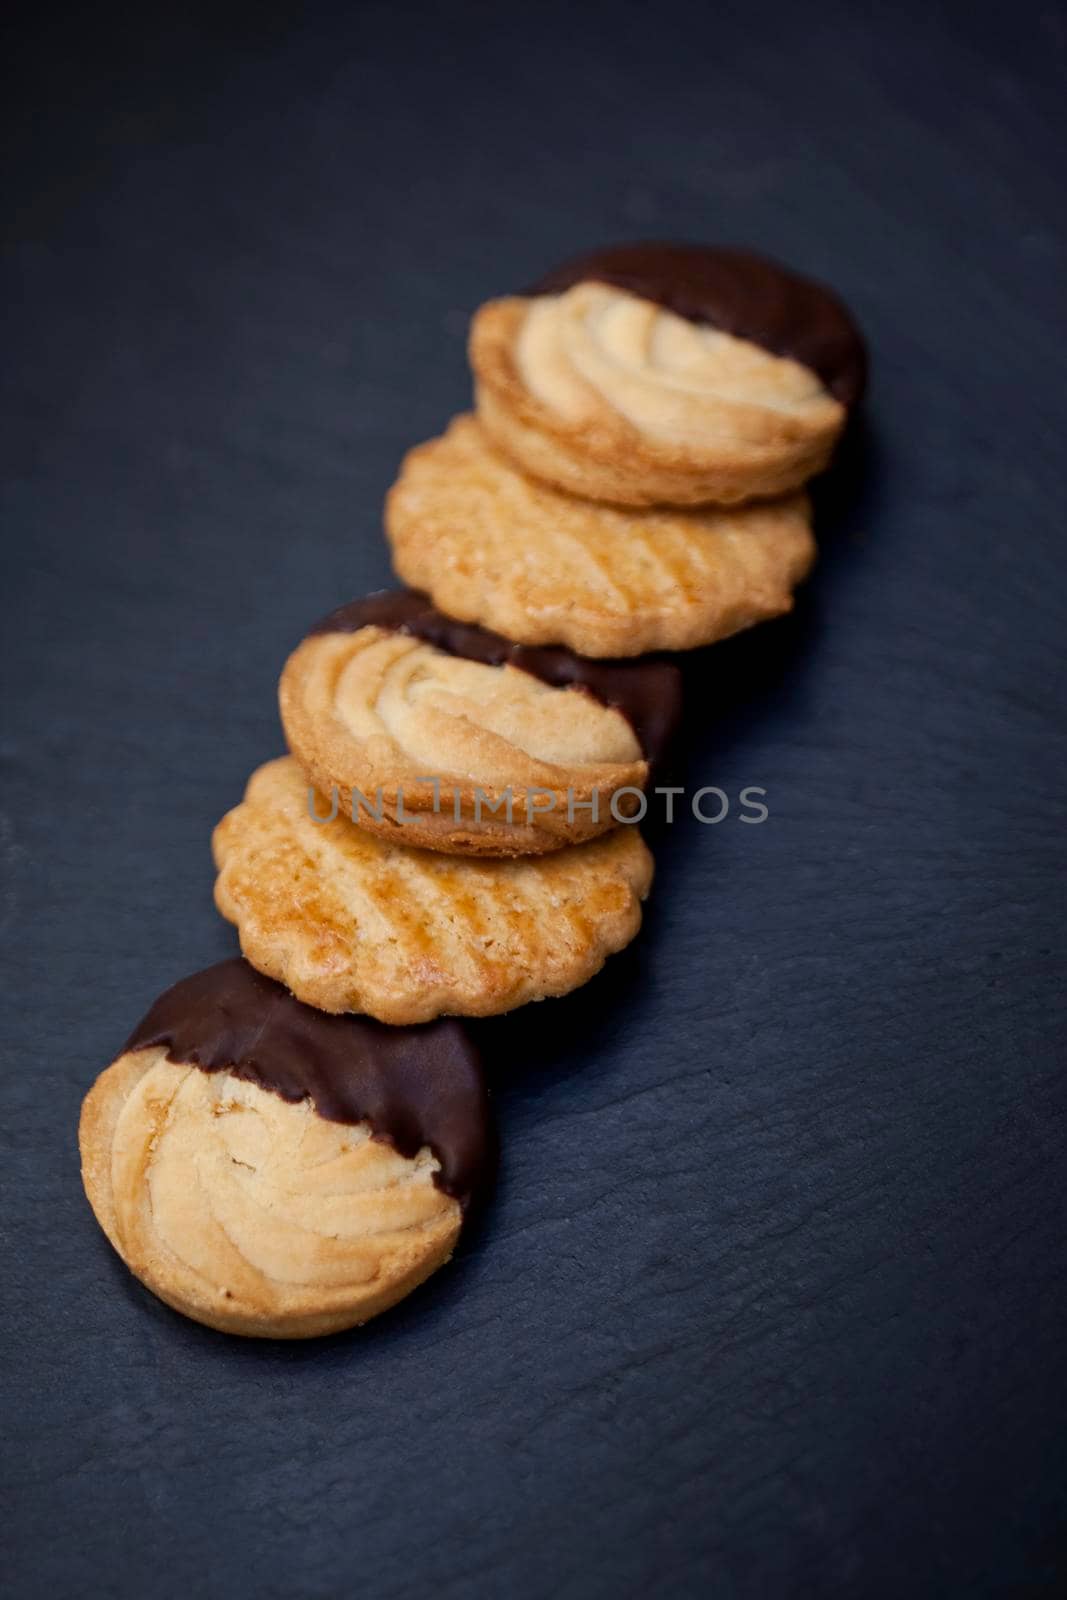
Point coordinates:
[(459, 716), (742, 294), (351, 922), (491, 545), (439, 738), (598, 347)]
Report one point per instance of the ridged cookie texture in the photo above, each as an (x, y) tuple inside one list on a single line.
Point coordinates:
[(493, 546), (625, 382), (248, 1207), (450, 737), (351, 922)]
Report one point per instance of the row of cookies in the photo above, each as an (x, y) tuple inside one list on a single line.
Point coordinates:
[(290, 1142)]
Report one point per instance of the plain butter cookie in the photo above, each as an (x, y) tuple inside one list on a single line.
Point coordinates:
[(490, 545), (351, 922)]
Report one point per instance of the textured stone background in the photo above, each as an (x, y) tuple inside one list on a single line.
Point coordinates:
[(771, 1301)]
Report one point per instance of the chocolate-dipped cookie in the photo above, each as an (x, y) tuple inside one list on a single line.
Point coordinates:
[(673, 374), (269, 1170), (448, 736)]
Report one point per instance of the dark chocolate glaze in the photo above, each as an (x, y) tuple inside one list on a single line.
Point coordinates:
[(647, 691), (416, 1086), (743, 294)]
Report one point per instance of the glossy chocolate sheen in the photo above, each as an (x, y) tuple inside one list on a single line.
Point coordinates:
[(647, 691), (743, 294), (416, 1086)]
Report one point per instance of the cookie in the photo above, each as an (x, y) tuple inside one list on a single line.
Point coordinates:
[(668, 374), (271, 1171), (436, 731), (492, 546), (352, 922)]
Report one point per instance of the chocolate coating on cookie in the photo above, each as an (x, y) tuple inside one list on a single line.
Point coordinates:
[(416, 1086), (742, 294), (648, 693)]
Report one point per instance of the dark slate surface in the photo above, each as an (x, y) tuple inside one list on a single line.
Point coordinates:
[(771, 1301)]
